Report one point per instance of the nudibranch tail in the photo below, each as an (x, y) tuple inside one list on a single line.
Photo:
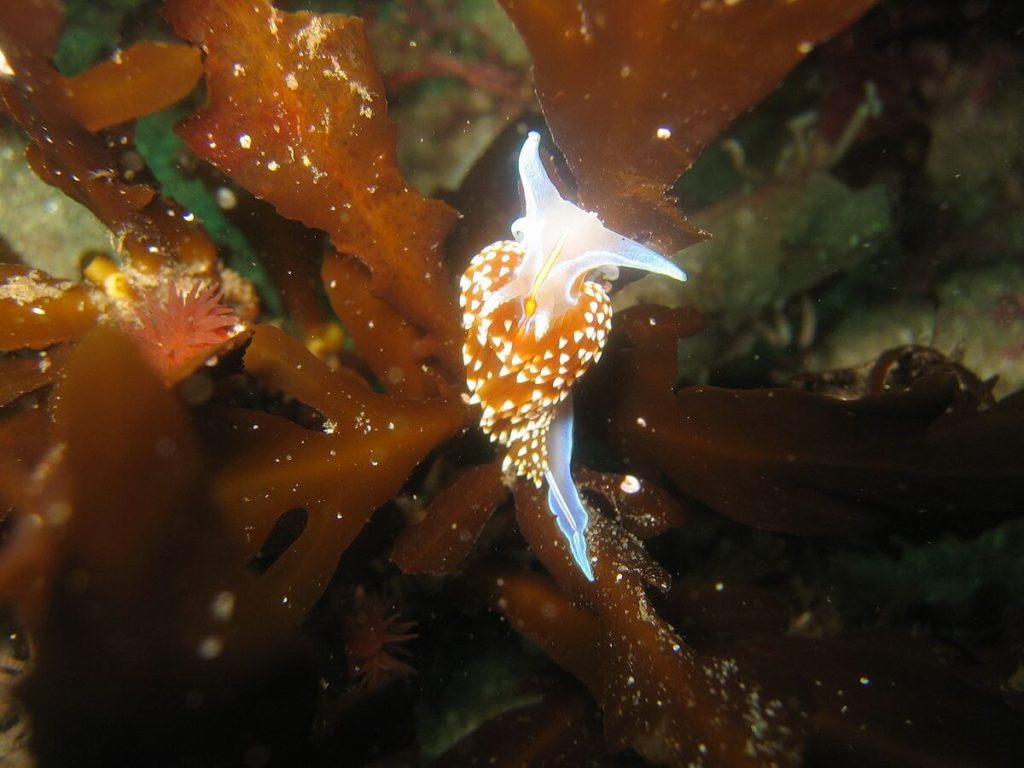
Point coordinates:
[(563, 499), (537, 317)]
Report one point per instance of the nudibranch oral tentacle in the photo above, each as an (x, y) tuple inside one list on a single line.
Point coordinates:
[(536, 318)]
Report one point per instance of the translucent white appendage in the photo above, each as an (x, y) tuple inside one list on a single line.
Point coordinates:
[(564, 243), (538, 191), (563, 498)]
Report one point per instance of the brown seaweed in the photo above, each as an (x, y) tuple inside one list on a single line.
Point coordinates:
[(338, 474), (143, 79), (443, 539), (318, 145), (81, 164), (559, 729), (388, 343), (633, 91), (878, 700), (20, 376), (800, 462), (872, 698), (133, 608), (38, 311), (642, 507), (658, 695), (292, 256), (868, 700)]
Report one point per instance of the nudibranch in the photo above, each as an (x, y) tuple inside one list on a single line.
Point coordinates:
[(537, 316)]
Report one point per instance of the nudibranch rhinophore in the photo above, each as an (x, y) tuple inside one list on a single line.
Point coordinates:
[(537, 317)]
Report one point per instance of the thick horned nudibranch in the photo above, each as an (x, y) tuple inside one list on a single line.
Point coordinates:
[(537, 317)]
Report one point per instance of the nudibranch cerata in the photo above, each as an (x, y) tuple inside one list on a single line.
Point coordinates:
[(537, 317)]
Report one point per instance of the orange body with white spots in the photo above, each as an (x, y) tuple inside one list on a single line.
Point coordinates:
[(517, 378)]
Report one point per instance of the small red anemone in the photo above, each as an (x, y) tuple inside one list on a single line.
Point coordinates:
[(183, 326), (373, 644)]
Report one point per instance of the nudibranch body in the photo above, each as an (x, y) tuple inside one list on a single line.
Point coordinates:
[(537, 317)]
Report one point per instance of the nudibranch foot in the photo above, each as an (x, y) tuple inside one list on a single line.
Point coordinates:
[(537, 317), (563, 499), (572, 522)]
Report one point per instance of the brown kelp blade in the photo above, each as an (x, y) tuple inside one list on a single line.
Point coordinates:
[(633, 91)]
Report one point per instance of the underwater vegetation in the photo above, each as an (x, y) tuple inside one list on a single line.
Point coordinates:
[(250, 516)]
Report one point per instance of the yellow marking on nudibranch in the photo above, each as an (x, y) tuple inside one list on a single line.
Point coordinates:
[(531, 300)]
